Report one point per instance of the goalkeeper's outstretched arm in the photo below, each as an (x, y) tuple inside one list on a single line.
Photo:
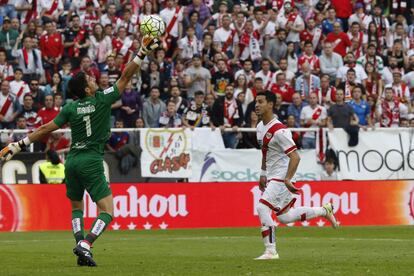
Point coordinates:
[(13, 148), (148, 44)]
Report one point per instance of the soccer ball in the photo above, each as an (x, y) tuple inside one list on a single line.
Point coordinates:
[(152, 25)]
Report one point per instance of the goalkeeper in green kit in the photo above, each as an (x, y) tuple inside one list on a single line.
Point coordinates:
[(89, 120)]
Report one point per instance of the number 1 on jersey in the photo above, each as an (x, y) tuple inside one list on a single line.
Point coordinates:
[(87, 120)]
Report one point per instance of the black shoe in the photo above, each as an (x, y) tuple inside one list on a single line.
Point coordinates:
[(84, 256), (81, 262)]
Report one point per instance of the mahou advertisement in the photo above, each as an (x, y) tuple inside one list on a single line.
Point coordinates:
[(202, 205)]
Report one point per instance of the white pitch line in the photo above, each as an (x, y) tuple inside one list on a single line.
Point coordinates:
[(217, 238)]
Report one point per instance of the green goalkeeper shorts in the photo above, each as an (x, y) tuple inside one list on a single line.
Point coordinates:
[(85, 172)]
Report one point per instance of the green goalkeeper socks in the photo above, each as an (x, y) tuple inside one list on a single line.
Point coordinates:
[(98, 226), (77, 224)]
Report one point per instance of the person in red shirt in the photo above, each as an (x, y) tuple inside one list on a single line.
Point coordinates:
[(283, 88), (339, 39), (85, 66), (51, 46), (343, 10), (58, 143), (49, 112), (310, 58)]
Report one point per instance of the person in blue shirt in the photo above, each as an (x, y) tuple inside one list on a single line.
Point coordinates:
[(327, 24), (360, 107), (295, 108)]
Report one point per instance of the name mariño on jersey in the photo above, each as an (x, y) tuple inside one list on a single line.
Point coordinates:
[(86, 109)]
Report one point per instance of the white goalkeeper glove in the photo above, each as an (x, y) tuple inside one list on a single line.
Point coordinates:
[(12, 149), (148, 44)]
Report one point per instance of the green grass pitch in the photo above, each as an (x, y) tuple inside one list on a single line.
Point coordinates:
[(303, 251)]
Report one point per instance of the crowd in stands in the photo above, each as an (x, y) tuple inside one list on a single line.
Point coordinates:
[(337, 63)]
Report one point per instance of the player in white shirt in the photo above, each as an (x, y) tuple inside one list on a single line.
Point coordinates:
[(279, 163)]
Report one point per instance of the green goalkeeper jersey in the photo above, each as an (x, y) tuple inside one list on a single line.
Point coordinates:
[(89, 120)]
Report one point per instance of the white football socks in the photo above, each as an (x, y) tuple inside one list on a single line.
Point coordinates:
[(268, 227)]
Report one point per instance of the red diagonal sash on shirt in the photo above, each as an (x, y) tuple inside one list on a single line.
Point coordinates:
[(53, 7), (6, 106)]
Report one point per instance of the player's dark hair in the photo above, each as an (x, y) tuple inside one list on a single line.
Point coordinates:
[(270, 97), (77, 85)]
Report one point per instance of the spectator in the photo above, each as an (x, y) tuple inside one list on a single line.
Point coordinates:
[(131, 106), (349, 61), (358, 39), (29, 113), (193, 22), (296, 136), (312, 115), (350, 83), (37, 94), (10, 107), (20, 125), (221, 78), (197, 78), (283, 88), (202, 9), (307, 83), (52, 171), (330, 61), (18, 87), (66, 74), (242, 87), (292, 59), (310, 58), (372, 58), (228, 113), (101, 46), (360, 18), (400, 89), (113, 71), (267, 76), (51, 47), (196, 114), (391, 109), (49, 112), (170, 118), (6, 69), (86, 67), (339, 39), (227, 39), (247, 71), (58, 101), (173, 17), (328, 24), (340, 114), (295, 108), (276, 48), (29, 59), (280, 109), (249, 43), (360, 107), (181, 104), (292, 22), (117, 139), (388, 70), (249, 139), (153, 78), (374, 84), (8, 36), (327, 93), (57, 142), (382, 26), (55, 87), (283, 68), (404, 122), (329, 172), (313, 34), (76, 41), (152, 108)]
